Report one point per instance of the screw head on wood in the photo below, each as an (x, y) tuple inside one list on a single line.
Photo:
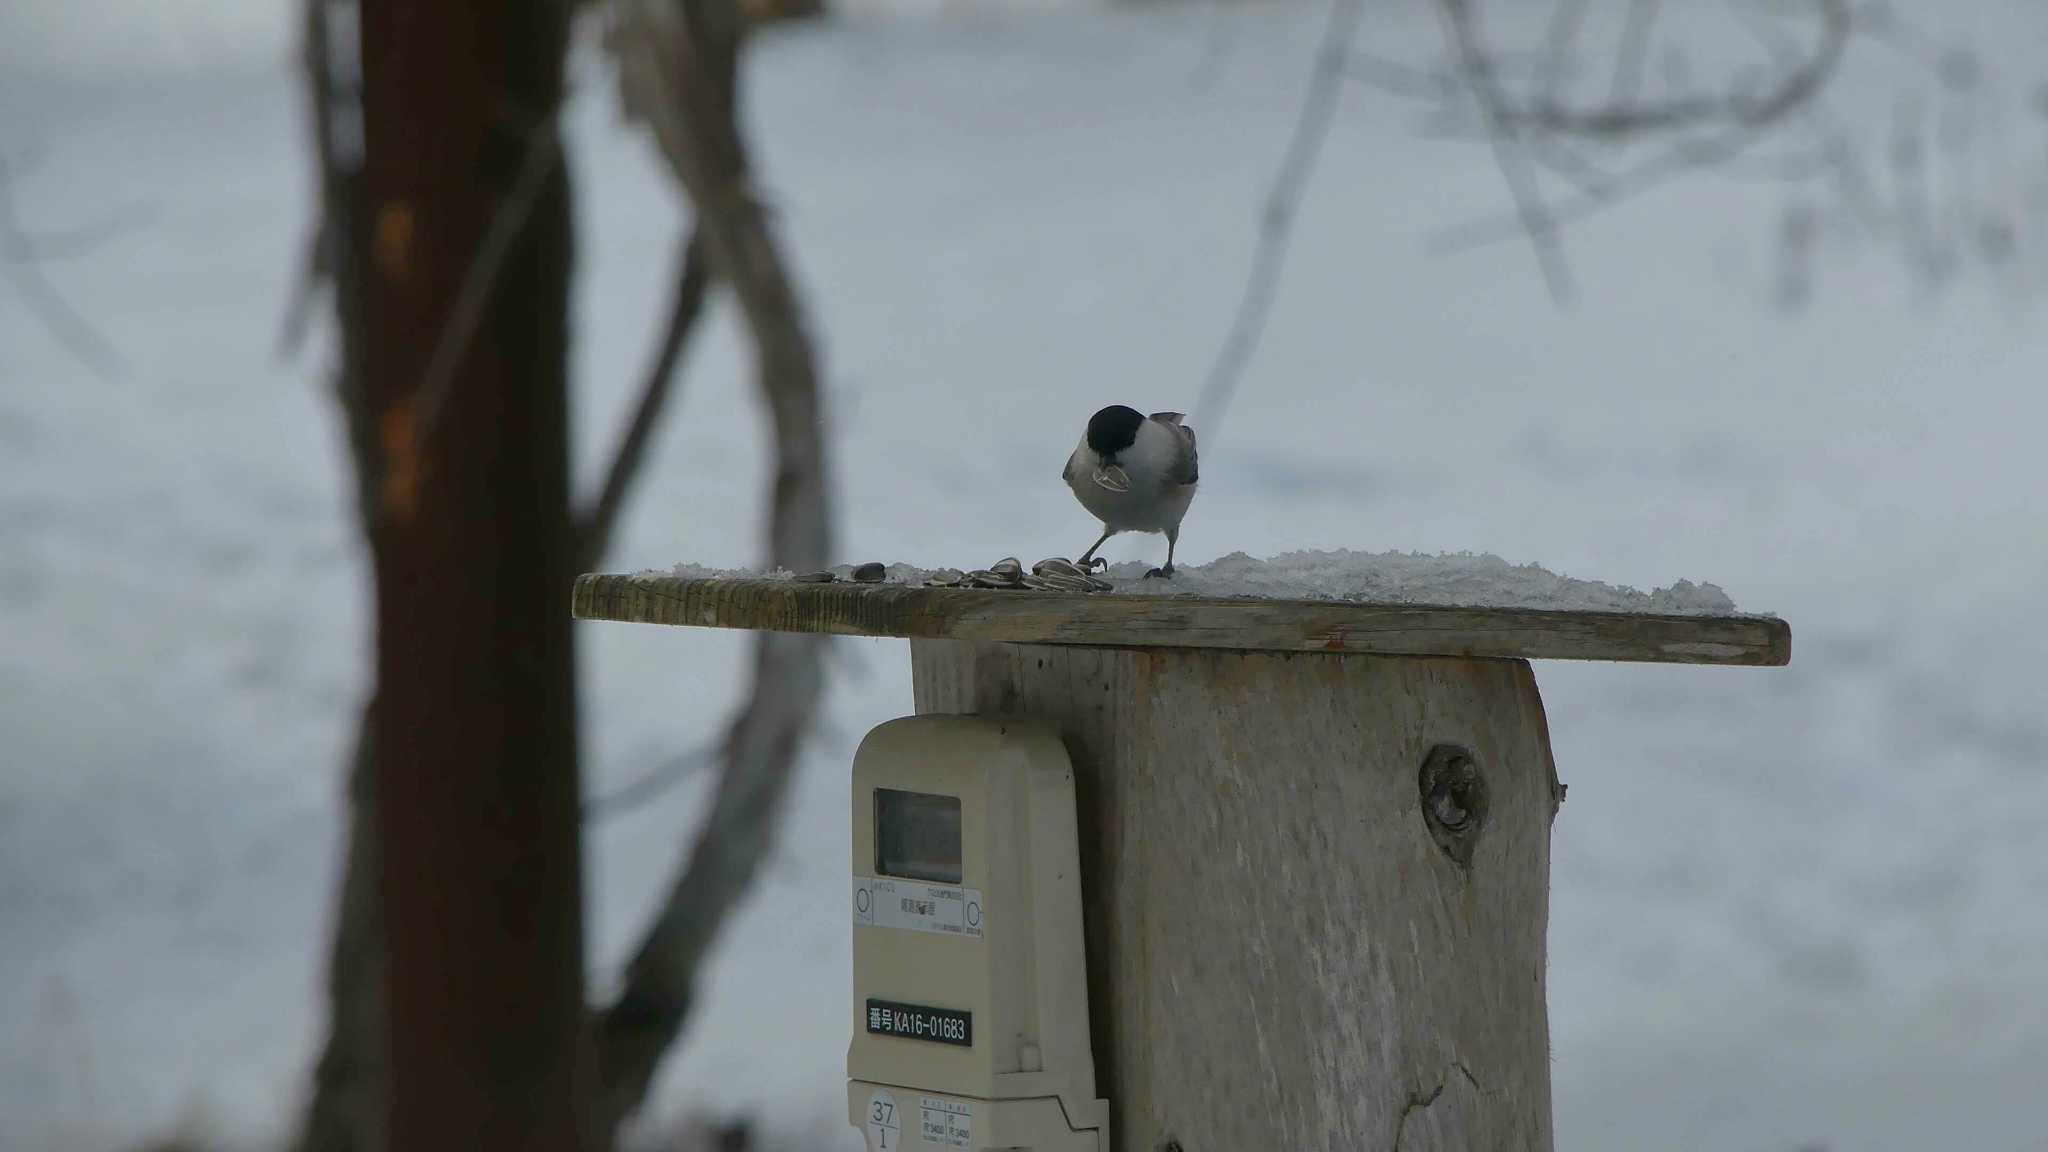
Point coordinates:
[(1453, 793)]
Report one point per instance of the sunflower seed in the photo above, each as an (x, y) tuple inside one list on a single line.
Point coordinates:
[(869, 573), (819, 577)]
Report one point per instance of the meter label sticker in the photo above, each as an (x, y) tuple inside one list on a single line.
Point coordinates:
[(917, 1022), (884, 1123), (916, 906), (949, 1123)]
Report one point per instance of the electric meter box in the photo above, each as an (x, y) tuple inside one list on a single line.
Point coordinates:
[(970, 985)]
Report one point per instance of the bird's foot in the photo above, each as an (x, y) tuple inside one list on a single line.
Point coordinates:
[(1091, 563), (1165, 573)]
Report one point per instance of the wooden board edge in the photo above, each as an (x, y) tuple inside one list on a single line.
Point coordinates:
[(913, 612)]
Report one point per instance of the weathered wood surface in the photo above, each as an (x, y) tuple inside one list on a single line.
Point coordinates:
[(1183, 621), (1281, 955)]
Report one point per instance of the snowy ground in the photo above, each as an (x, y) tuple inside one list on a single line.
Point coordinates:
[(1794, 907)]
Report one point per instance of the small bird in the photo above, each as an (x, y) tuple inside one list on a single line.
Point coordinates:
[(1134, 473)]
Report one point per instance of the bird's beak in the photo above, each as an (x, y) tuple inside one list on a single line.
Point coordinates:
[(1113, 478)]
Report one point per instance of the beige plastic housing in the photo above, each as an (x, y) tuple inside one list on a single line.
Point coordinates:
[(1002, 945)]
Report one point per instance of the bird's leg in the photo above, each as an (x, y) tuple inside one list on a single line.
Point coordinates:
[(1088, 557), (1172, 538)]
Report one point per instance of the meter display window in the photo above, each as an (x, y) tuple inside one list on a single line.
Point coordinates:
[(917, 836)]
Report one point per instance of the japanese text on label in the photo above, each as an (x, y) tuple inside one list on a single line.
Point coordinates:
[(881, 902)]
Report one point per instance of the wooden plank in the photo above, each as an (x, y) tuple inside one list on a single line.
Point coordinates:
[(1282, 954), (1112, 621)]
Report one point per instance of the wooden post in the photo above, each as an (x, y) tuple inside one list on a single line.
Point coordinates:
[(1315, 835), (473, 727), (1280, 953)]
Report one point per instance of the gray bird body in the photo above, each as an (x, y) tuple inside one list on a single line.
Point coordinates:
[(1142, 484)]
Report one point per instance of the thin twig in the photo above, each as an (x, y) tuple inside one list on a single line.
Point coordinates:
[(1631, 51), (595, 526), (52, 245), (1908, 40), (70, 327), (652, 784), (313, 278), (543, 151), (1218, 36), (1682, 157), (1616, 121), (1745, 124), (321, 256), (1768, 34), (1564, 32), (1276, 221), (1642, 118), (1627, 117), (1508, 154), (1399, 79)]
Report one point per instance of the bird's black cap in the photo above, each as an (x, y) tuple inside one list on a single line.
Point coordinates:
[(1114, 429)]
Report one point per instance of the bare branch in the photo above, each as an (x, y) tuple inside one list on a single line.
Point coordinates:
[(345, 1112), (1882, 22), (1276, 221), (594, 527), (1564, 32), (1754, 112), (65, 323), (1614, 121), (1508, 153), (314, 276), (652, 784), (1218, 35), (1683, 156), (1401, 79), (1562, 157), (1742, 124), (1768, 34), (543, 152), (50, 245), (677, 66), (1632, 52)]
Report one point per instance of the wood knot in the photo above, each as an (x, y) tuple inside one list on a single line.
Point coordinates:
[(1453, 793), (396, 226), (399, 485)]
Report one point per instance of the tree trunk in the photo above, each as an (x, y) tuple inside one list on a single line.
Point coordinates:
[(473, 732), (1315, 887)]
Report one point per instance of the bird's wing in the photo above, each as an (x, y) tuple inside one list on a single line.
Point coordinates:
[(1185, 470)]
